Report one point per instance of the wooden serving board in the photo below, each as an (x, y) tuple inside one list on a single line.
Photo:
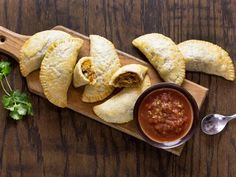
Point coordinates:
[(10, 43)]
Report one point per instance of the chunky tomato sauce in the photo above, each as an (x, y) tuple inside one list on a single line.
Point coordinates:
[(165, 115)]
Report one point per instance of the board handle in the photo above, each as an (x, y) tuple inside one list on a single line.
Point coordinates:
[(11, 42)]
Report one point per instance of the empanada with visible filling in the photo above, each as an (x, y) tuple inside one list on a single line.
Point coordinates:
[(84, 72), (164, 55), (208, 58), (57, 69), (119, 108), (34, 49), (106, 62), (131, 75)]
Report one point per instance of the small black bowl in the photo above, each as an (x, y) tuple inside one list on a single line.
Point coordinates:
[(178, 142)]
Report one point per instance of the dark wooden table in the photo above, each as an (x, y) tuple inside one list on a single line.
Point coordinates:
[(58, 142)]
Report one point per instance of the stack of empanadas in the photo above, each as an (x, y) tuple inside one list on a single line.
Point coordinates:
[(55, 53), (109, 74), (34, 49), (170, 59)]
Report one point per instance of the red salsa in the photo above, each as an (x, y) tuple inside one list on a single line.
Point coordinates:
[(165, 115)]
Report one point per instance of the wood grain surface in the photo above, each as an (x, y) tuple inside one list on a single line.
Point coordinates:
[(58, 142)]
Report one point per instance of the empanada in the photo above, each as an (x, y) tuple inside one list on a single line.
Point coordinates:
[(57, 69), (106, 63), (131, 75), (164, 55), (119, 108), (34, 49), (84, 72), (208, 58)]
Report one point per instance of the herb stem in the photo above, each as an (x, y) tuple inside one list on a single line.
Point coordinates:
[(9, 86), (4, 89), (23, 102)]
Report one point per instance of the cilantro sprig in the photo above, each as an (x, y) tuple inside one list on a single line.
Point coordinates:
[(17, 103)]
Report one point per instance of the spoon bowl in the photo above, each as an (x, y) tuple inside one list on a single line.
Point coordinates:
[(214, 123)]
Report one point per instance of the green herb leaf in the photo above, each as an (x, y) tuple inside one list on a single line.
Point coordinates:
[(4, 69), (18, 104), (7, 101), (15, 115)]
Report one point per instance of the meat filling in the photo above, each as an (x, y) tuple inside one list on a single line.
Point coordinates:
[(128, 79), (87, 70)]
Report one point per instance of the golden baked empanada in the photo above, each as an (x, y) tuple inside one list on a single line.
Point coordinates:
[(84, 72), (106, 62), (131, 75), (34, 49), (119, 108), (164, 55), (57, 69), (208, 58)]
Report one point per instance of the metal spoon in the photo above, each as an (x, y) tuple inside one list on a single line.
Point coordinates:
[(215, 123)]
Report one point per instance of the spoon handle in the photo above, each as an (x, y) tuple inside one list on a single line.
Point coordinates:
[(232, 117)]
